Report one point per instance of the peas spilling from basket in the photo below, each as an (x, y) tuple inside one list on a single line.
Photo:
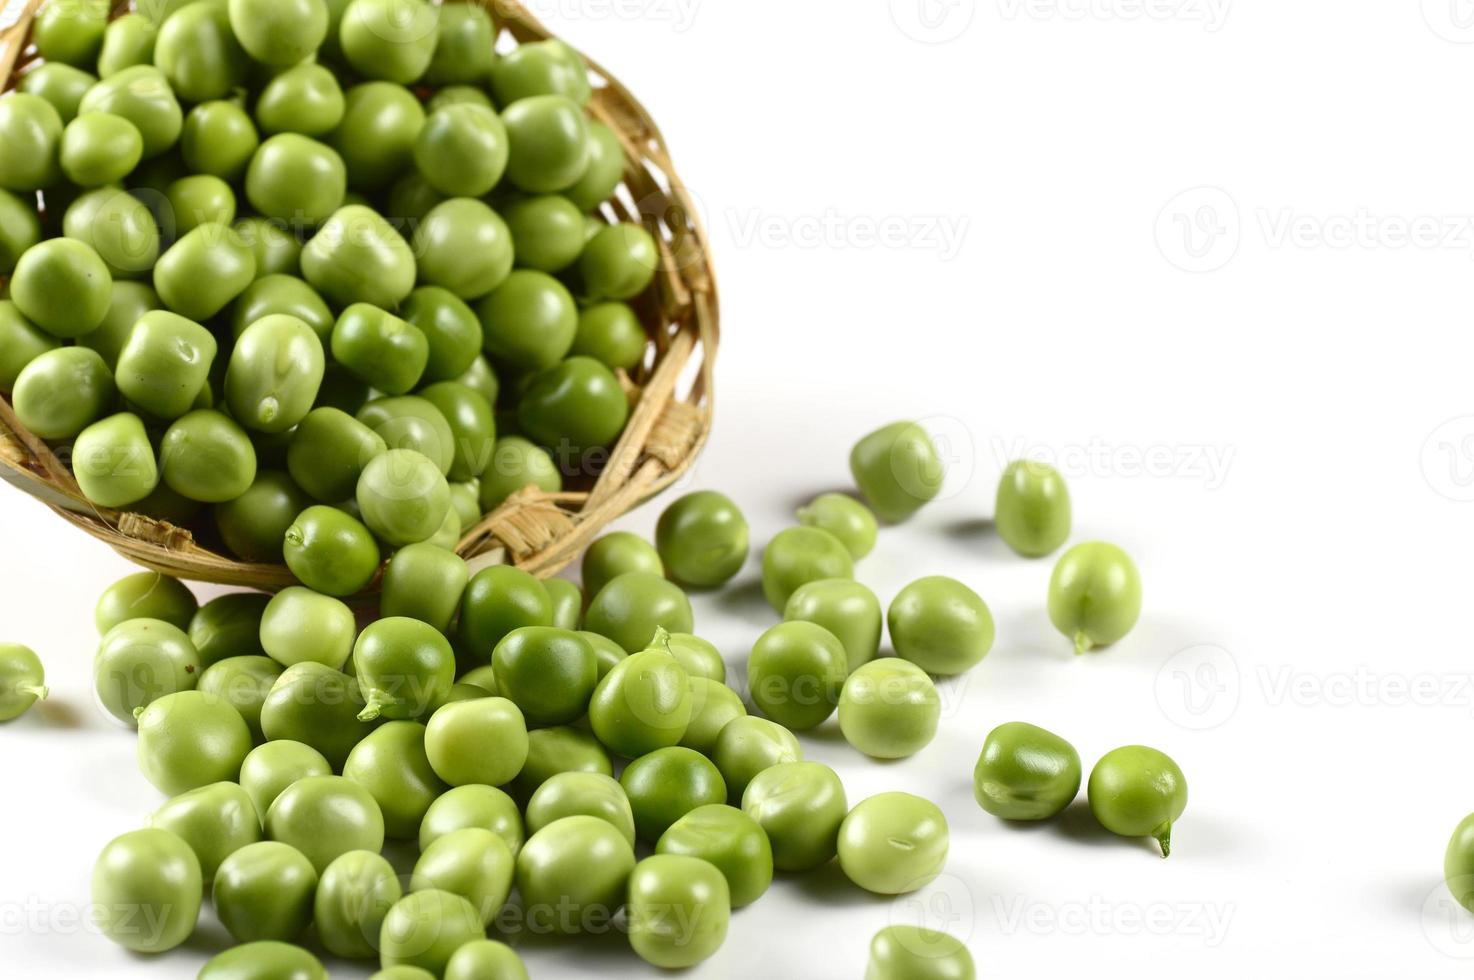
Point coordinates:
[(336, 272)]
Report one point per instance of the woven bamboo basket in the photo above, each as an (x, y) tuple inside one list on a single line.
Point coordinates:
[(537, 531)]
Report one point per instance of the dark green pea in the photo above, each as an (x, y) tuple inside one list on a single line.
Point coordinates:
[(219, 139), (142, 95), (610, 333), (356, 257), (471, 424), (410, 422), (389, 39), (548, 673), (203, 271), (549, 143), (100, 148), (604, 172), (63, 391), (748, 745), (282, 294), (799, 555), (540, 68), (844, 517), (20, 344), (462, 150), (328, 453), (118, 226), (279, 33), (1025, 773), (702, 537), (380, 348), (130, 301), (264, 890), (391, 764), (480, 377), (464, 502), (244, 682), (264, 960), (517, 463), (276, 250), (499, 600), (615, 554), (206, 456), (274, 373), (199, 199), (463, 245), (254, 524), (576, 406), (318, 706), (458, 95), (729, 840), (466, 48), (423, 582), (341, 390), (897, 469), (451, 329), (306, 99), (199, 54), (62, 286), (377, 133), (410, 199), (1136, 791), (402, 496), (70, 32), (297, 179), (20, 228), (559, 749), (165, 364), (619, 262), (529, 321), (633, 607), (128, 41), (667, 784), (145, 595), (215, 821), (114, 462), (228, 626), (795, 674), (60, 84), (567, 601), (330, 551), (404, 667)]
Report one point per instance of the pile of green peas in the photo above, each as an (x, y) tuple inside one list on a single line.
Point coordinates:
[(317, 279)]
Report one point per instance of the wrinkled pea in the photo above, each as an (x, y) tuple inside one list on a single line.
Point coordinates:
[(1025, 773), (800, 805)]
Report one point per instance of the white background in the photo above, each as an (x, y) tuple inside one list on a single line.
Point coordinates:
[(1259, 411)]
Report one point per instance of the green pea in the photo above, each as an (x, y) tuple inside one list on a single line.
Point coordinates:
[(391, 764), (559, 749), (607, 653), (642, 704), (1025, 773), (409, 422), (619, 262), (255, 524), (893, 843), (277, 252), (99, 149), (462, 150), (473, 805), (484, 959), (279, 33), (567, 600), (20, 228), (328, 452), (605, 169), (20, 344), (799, 555), (118, 226), (410, 199), (130, 301), (70, 32), (199, 199), (845, 608), (356, 257), (547, 232), (353, 898), (63, 391), (940, 625), (915, 953), (540, 68), (215, 821), (729, 840), (616, 553), (548, 673), (498, 600), (409, 972), (897, 469), (800, 805), (611, 334), (31, 129), (264, 960), (325, 817), (747, 746), (206, 456), (376, 136), (113, 461), (244, 682), (60, 84), (128, 41), (147, 876), (1032, 512), (592, 794), (275, 371), (404, 666), (702, 539), (450, 327), (795, 673), (273, 766), (22, 680), (424, 928), (140, 661), (699, 657), (577, 406), (478, 741), (190, 739), (264, 891), (318, 706), (282, 295), (463, 246), (457, 95), (844, 517), (632, 607), (548, 136), (228, 626), (330, 551), (572, 874), (471, 423), (1458, 863), (1136, 791), (465, 48), (668, 889), (165, 364), (889, 709), (145, 595), (62, 286), (389, 40), (203, 271), (296, 178), (473, 863), (713, 705), (305, 99), (199, 54), (402, 496), (515, 464), (423, 582), (142, 95), (668, 783), (301, 626), (1094, 595)]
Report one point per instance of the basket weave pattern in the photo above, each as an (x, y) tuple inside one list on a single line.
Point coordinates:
[(539, 532)]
